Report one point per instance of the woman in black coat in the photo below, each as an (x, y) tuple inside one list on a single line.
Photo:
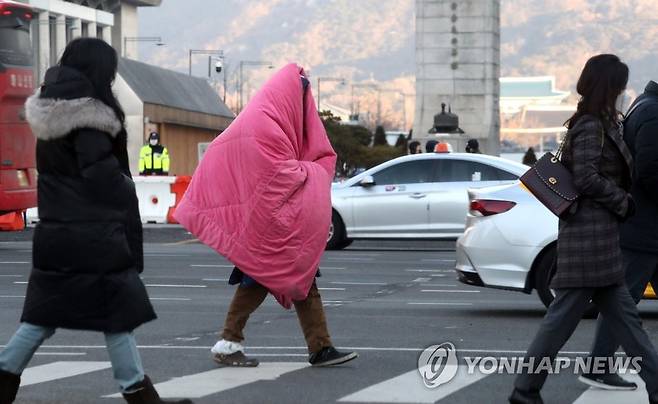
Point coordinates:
[(588, 251), (87, 248)]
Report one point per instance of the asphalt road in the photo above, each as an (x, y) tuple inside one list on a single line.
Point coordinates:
[(388, 301)]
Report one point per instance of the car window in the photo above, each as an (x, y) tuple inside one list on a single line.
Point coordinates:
[(450, 170), (409, 172)]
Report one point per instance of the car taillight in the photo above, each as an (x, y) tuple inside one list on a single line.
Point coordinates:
[(486, 207)]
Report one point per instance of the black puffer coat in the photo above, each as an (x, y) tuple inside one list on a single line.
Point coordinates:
[(640, 232), (87, 249)]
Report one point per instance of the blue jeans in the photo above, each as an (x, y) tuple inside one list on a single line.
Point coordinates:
[(122, 348)]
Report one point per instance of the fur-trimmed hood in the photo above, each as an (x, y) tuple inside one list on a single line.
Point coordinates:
[(52, 118)]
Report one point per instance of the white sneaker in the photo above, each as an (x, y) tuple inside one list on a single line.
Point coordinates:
[(227, 347)]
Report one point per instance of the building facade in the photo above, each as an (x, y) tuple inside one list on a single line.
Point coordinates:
[(458, 63), (57, 22)]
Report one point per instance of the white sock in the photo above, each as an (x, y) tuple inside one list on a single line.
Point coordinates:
[(226, 347)]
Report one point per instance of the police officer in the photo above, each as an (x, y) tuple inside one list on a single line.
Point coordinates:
[(154, 157)]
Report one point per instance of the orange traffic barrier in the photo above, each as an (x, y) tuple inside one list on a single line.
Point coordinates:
[(12, 221), (178, 188)]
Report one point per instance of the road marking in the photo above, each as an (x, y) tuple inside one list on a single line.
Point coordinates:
[(60, 370), (215, 279), (439, 304), (439, 285), (173, 299), (337, 289), (448, 291), (11, 276), (60, 353), (20, 283), (360, 283), (215, 381), (336, 268), (304, 348), (212, 266), (13, 262), (184, 242), (599, 396), (337, 301), (157, 285), (12, 297), (409, 388)]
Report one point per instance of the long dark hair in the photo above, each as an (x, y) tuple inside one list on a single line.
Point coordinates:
[(98, 61), (603, 79)]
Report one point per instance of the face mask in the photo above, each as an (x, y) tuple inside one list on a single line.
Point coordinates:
[(153, 142)]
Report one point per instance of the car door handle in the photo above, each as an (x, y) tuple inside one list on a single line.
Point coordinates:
[(417, 195)]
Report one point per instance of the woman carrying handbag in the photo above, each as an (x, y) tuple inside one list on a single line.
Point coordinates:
[(589, 264)]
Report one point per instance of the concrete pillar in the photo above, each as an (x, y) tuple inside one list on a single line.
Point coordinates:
[(91, 29), (44, 45), (76, 28), (458, 62), (107, 34), (125, 25), (60, 34)]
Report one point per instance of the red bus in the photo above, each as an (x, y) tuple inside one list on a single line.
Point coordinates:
[(18, 175)]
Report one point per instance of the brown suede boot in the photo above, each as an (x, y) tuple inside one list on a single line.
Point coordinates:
[(9, 383), (146, 394)]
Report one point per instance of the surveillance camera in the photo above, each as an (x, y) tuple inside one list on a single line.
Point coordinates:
[(218, 67)]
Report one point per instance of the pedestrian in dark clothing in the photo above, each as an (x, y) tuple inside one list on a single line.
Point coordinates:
[(430, 145), (414, 147), (588, 252), (87, 248), (530, 158), (639, 235), (473, 146)]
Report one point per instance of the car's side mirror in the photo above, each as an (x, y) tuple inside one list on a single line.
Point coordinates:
[(367, 181)]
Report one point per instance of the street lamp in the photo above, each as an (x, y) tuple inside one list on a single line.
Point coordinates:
[(249, 63), (156, 39), (338, 79), (212, 52)]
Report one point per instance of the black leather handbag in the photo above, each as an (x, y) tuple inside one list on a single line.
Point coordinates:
[(551, 182)]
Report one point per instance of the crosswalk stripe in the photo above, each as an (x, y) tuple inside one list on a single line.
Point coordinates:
[(215, 381), (599, 396), (409, 388), (60, 370)]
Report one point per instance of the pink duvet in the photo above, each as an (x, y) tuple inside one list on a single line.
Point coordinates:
[(261, 195)]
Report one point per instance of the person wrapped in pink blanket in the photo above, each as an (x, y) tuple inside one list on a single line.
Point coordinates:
[(261, 197)]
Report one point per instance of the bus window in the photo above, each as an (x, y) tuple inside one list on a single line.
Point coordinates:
[(15, 46)]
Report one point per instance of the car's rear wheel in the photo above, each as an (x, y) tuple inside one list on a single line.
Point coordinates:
[(544, 273), (336, 239)]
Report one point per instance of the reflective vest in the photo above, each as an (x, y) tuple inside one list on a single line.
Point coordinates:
[(153, 160)]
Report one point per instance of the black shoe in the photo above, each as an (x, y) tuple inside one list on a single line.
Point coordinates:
[(9, 383), (144, 393), (607, 381), (525, 397), (330, 356)]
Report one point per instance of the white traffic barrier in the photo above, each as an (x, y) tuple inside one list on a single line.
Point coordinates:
[(32, 215), (155, 197)]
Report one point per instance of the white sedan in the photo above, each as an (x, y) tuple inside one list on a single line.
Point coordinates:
[(416, 196), (510, 242)]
